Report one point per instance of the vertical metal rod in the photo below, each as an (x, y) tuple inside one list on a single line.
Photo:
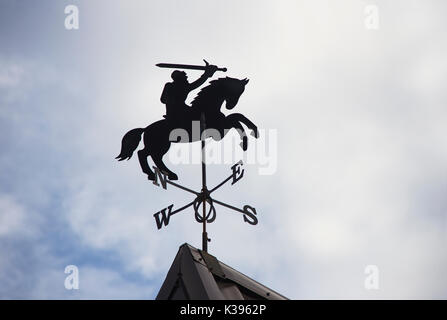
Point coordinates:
[(204, 189)]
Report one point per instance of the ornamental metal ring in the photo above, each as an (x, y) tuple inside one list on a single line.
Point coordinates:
[(211, 214)]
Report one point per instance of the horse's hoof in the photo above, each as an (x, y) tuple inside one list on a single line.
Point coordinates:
[(255, 133), (151, 176), (172, 176), (244, 144)]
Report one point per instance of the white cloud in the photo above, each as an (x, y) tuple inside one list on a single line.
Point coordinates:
[(11, 216), (15, 220), (361, 153), (347, 159), (10, 75), (94, 283)]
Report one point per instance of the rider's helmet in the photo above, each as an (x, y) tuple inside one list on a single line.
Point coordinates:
[(179, 76)]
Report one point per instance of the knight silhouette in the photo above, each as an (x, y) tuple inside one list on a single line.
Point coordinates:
[(175, 93), (206, 105)]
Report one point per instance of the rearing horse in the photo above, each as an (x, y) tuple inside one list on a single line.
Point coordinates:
[(207, 102)]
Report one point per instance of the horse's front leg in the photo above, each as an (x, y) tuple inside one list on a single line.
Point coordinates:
[(233, 123), (241, 118)]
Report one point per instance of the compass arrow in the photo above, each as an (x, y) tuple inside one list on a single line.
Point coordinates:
[(248, 211), (162, 218), (163, 177), (237, 174)]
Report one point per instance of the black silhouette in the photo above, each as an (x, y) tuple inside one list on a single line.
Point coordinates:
[(175, 93), (187, 66), (205, 108), (205, 111)]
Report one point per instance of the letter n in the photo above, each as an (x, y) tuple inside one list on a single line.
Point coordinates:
[(164, 220), (162, 176)]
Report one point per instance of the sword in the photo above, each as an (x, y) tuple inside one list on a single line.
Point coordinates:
[(186, 66)]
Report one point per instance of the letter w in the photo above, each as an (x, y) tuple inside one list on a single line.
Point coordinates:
[(164, 218)]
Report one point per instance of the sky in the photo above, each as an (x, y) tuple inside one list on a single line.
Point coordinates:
[(354, 116)]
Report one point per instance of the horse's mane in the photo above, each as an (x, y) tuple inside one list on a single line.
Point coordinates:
[(214, 88)]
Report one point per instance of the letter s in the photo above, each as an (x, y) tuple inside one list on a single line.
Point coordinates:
[(250, 212)]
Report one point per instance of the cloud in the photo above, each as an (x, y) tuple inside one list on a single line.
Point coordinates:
[(10, 75), (361, 164), (94, 283), (12, 216)]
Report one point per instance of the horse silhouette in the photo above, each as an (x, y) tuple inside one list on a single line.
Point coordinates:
[(205, 106)]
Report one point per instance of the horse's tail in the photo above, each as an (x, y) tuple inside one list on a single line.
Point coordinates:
[(130, 143)]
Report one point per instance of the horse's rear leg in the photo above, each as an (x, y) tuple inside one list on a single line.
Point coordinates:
[(160, 165), (142, 156), (157, 155)]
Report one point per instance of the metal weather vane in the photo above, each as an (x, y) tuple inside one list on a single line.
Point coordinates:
[(205, 109)]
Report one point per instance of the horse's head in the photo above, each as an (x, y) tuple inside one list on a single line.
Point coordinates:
[(223, 89), (234, 89)]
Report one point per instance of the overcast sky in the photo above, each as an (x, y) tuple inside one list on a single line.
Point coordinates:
[(360, 121)]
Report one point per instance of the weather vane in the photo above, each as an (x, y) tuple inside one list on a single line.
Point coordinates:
[(178, 127)]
